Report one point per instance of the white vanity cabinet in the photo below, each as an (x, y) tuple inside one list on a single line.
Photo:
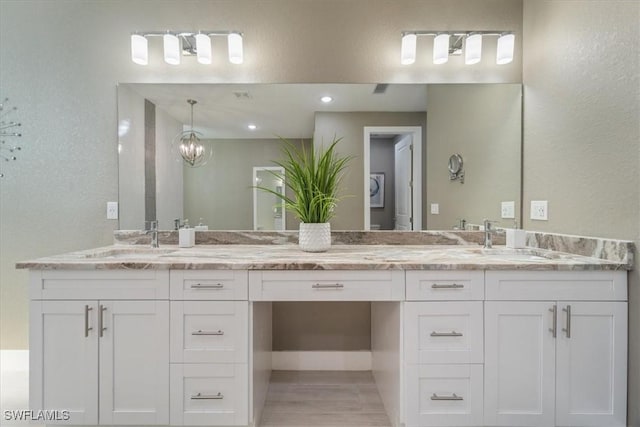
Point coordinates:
[(106, 361), (555, 361)]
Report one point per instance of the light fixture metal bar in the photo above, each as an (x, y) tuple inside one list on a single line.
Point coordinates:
[(456, 32), (211, 33)]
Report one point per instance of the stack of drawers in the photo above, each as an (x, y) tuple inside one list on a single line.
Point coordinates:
[(209, 347), (443, 348)]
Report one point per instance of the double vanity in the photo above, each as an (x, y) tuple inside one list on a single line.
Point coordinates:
[(460, 335)]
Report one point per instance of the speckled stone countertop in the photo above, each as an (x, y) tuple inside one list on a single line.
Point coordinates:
[(339, 257)]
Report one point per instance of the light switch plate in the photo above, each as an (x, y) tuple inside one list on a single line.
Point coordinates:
[(112, 210), (435, 209), (508, 210), (539, 210)]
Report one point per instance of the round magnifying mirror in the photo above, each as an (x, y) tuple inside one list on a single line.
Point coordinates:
[(455, 164)]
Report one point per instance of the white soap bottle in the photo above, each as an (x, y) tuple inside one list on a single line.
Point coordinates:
[(516, 238), (201, 226), (186, 236)]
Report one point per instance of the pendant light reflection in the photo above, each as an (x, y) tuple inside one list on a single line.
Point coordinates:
[(192, 150)]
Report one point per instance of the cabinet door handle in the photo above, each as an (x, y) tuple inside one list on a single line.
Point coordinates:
[(446, 334), (567, 330), (87, 328), (201, 286), (101, 326), (452, 397), (448, 286), (327, 286), (201, 396), (201, 332), (554, 328)]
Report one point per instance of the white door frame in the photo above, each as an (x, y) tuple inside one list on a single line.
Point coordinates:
[(255, 194), (416, 132)]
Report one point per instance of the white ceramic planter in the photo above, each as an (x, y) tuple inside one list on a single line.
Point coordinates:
[(315, 237)]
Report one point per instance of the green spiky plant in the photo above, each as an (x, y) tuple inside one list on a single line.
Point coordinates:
[(314, 178)]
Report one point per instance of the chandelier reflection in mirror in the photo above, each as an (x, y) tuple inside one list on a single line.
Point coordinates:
[(8, 130), (188, 144)]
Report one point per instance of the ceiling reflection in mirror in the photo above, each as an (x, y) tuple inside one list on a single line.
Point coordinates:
[(243, 125)]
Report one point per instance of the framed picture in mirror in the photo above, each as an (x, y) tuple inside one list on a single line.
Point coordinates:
[(376, 190)]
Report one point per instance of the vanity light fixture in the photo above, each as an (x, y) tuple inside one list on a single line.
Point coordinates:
[(188, 144), (447, 43), (326, 99), (186, 43)]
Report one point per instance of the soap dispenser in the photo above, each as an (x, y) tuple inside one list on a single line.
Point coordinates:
[(516, 238), (186, 236), (201, 226)]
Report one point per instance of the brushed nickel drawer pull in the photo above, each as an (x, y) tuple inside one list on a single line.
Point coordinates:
[(451, 286), (101, 326), (201, 396), (567, 330), (452, 397), (201, 332), (554, 328), (328, 286), (446, 334), (87, 328), (201, 286)]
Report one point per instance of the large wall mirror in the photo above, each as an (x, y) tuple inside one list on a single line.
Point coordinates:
[(402, 137)]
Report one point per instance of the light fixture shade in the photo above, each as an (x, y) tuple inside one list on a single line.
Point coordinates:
[(473, 49), (139, 49), (506, 45), (235, 48), (441, 49), (203, 48), (408, 49), (171, 49)]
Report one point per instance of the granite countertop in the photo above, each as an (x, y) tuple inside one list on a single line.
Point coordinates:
[(339, 257)]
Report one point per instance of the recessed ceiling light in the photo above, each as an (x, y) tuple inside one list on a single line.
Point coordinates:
[(251, 126), (326, 99)]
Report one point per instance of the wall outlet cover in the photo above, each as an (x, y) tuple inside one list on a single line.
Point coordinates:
[(508, 210), (435, 209), (112, 210), (539, 210)]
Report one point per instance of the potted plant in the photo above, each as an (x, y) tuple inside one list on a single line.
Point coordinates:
[(313, 176)]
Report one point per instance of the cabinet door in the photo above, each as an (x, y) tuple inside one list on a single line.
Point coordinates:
[(591, 365), (134, 362), (64, 359), (519, 364)]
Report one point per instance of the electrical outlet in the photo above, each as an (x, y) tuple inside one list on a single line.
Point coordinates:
[(539, 210), (112, 210), (508, 210), (435, 209)]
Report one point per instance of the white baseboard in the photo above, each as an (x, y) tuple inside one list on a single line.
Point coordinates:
[(321, 360), (14, 360)]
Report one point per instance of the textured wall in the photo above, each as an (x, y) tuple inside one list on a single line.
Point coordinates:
[(582, 130), (63, 72), (482, 123)]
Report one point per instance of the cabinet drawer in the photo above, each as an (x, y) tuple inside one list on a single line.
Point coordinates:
[(445, 285), (557, 285), (209, 331), (444, 395), (443, 332), (98, 284), (209, 395), (335, 285), (209, 285)]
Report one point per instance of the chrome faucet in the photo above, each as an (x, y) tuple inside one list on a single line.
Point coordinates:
[(153, 230), (488, 231)]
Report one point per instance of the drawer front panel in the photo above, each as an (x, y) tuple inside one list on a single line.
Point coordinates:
[(209, 285), (209, 331), (337, 285), (98, 284), (209, 395), (444, 395), (445, 285), (557, 285), (444, 332)]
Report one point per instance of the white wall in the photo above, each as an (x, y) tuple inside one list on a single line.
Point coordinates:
[(582, 130), (60, 63)]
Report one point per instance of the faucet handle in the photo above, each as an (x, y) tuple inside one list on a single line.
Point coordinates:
[(153, 225)]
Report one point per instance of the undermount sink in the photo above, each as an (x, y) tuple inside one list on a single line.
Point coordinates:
[(116, 253)]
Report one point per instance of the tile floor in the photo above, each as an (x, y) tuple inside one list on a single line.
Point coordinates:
[(14, 384)]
